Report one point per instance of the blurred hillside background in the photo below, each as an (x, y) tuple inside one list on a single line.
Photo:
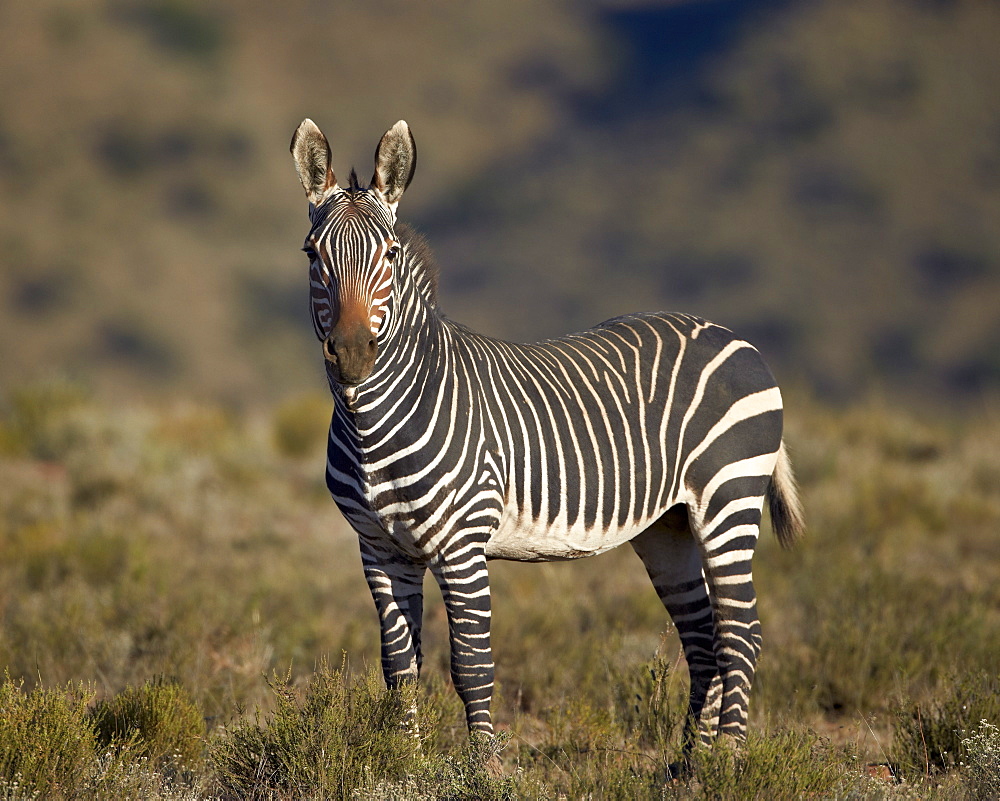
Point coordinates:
[(823, 176)]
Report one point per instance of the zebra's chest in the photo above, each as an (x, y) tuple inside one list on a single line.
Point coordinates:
[(417, 507), (382, 508)]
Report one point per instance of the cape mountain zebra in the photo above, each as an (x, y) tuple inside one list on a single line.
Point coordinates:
[(448, 448)]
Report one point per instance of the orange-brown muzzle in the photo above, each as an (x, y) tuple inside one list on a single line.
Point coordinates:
[(350, 352)]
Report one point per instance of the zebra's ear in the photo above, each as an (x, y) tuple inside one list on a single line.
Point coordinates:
[(395, 161), (312, 157)]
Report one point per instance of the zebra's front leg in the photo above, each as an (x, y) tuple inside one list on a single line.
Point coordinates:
[(396, 584), (465, 586)]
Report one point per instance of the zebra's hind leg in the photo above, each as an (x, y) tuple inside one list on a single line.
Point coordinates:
[(673, 561), (727, 526), (397, 585)]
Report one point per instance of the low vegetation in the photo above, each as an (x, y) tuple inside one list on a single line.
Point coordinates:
[(182, 615)]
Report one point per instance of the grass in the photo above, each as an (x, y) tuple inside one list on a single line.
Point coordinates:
[(931, 736), (157, 565)]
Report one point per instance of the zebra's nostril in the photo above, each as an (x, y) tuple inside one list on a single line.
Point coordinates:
[(371, 344)]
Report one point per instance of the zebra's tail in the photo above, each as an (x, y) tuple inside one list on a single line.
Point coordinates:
[(787, 519)]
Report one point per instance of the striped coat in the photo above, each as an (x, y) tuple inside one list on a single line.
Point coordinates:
[(448, 448)]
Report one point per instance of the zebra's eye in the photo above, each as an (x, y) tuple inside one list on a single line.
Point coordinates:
[(392, 253), (310, 253)]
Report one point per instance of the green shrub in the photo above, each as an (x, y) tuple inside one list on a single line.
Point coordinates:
[(473, 773), (335, 737), (344, 737), (782, 764), (47, 742), (159, 720)]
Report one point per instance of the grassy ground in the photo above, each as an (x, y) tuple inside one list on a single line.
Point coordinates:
[(182, 614)]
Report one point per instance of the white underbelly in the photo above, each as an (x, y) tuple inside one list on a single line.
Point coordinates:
[(520, 538)]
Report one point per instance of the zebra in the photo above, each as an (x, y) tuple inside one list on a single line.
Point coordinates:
[(448, 448)]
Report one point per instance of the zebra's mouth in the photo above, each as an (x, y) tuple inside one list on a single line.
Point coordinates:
[(346, 380), (337, 375)]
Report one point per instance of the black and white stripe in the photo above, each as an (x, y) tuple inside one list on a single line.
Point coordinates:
[(662, 430)]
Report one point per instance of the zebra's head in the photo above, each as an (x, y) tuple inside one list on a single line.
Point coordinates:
[(352, 246)]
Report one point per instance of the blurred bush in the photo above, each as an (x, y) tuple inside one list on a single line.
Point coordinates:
[(39, 419), (300, 424)]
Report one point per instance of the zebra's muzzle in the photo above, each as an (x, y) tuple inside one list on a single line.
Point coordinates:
[(351, 355)]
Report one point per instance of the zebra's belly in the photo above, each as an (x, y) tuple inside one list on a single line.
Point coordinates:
[(521, 539)]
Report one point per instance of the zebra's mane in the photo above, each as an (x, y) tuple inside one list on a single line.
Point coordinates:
[(421, 262)]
